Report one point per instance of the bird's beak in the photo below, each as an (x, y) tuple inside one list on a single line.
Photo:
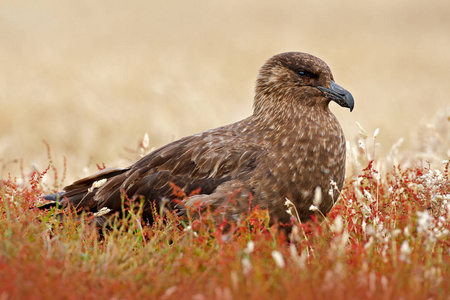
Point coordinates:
[(338, 94)]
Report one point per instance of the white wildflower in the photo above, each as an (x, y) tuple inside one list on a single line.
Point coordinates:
[(375, 134), (313, 208), (103, 211), (440, 232), (330, 192), (332, 188), (97, 184), (405, 249), (406, 232), (292, 210), (363, 225), (368, 196), (378, 224), (290, 207), (361, 144), (250, 247), (365, 209), (246, 265), (377, 176), (300, 260), (333, 183), (288, 202), (338, 224), (189, 229), (384, 253), (372, 280), (384, 283), (169, 292), (145, 144), (44, 178), (370, 230), (145, 141), (396, 232), (423, 222), (278, 258)]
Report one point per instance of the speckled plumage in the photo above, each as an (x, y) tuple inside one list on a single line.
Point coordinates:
[(291, 145)]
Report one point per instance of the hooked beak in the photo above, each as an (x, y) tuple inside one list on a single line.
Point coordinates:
[(338, 94)]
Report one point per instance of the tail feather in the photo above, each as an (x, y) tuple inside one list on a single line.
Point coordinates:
[(53, 197), (54, 200), (87, 182), (80, 194)]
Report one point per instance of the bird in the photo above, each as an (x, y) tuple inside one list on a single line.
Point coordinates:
[(289, 148)]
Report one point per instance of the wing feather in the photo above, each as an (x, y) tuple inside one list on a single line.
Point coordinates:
[(202, 161)]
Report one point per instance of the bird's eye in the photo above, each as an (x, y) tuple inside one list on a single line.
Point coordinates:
[(301, 73)]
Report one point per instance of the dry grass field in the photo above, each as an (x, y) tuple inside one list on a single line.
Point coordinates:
[(91, 77), (87, 80)]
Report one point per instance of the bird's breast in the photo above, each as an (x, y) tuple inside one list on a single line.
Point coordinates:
[(304, 157)]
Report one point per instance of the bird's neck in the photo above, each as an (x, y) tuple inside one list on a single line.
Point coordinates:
[(290, 116)]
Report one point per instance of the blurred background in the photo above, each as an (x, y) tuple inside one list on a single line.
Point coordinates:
[(92, 77)]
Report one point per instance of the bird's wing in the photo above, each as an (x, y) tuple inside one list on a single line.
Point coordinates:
[(203, 161)]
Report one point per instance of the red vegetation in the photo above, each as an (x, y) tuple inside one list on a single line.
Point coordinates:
[(387, 237)]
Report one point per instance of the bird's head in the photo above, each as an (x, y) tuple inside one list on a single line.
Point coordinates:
[(299, 79)]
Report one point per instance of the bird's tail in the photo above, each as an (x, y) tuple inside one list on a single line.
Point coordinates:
[(80, 194), (53, 200)]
